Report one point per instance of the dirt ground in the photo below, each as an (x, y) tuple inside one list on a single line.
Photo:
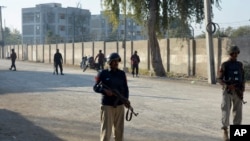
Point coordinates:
[(36, 105)]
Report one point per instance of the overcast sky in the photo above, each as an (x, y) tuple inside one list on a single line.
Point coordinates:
[(234, 13)]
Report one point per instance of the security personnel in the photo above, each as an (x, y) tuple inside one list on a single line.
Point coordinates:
[(58, 60), (112, 111), (101, 60), (231, 77), (13, 60), (135, 60)]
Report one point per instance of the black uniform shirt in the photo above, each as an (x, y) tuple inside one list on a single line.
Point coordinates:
[(232, 71), (58, 57), (114, 80)]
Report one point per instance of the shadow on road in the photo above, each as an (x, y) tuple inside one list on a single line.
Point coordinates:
[(38, 81), (13, 126)]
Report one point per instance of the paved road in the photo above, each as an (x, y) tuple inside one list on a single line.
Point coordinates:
[(36, 105)]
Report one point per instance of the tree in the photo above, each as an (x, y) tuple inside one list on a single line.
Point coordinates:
[(11, 37), (158, 14), (178, 30), (51, 38), (243, 31)]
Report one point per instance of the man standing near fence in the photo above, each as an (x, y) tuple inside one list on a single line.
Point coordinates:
[(135, 60), (58, 60), (101, 59)]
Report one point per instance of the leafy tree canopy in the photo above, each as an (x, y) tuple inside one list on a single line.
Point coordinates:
[(167, 11), (11, 36), (242, 31), (158, 14)]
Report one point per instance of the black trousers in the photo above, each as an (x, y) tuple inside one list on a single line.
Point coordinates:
[(60, 66), (13, 64), (135, 68), (101, 65)]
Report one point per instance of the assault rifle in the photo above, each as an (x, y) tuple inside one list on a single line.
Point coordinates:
[(130, 111), (238, 90)]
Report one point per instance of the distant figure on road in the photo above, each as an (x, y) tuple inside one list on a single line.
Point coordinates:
[(112, 111), (101, 59), (135, 60), (58, 60), (231, 76), (13, 59)]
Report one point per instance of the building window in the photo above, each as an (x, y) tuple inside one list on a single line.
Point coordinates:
[(138, 33), (37, 17), (71, 20), (62, 28), (70, 30), (28, 30), (62, 16), (122, 31), (38, 30), (51, 17), (28, 17)]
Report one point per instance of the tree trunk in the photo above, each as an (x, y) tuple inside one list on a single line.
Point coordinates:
[(153, 42)]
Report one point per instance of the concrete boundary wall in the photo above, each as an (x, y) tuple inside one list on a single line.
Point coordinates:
[(178, 55)]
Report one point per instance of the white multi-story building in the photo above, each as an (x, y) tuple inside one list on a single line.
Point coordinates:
[(51, 23)]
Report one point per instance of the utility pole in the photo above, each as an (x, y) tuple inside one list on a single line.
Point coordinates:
[(1, 33), (209, 42)]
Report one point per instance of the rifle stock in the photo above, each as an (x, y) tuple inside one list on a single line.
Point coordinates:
[(238, 90), (124, 100)]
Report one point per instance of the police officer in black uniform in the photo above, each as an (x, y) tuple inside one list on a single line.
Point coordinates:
[(13, 57), (135, 60), (231, 77), (58, 60), (112, 111)]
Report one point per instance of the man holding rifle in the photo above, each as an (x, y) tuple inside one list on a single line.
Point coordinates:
[(231, 77), (109, 83)]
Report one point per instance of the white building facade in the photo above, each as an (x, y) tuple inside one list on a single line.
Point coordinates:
[(51, 23)]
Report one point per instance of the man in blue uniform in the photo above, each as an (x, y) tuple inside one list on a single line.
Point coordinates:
[(231, 77), (112, 111)]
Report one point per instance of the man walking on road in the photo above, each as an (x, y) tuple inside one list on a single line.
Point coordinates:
[(58, 60), (13, 59), (231, 77), (112, 111)]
